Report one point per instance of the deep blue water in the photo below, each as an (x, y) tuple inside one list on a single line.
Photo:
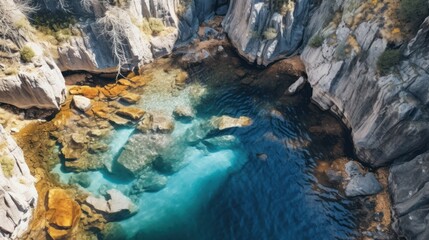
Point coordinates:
[(275, 198)]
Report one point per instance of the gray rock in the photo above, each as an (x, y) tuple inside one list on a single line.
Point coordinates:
[(360, 184), (141, 151), (363, 185), (115, 207), (41, 87), (82, 103), (247, 20), (149, 182)]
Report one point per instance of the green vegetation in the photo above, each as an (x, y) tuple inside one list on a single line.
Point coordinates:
[(413, 12), (388, 59), (27, 54), (152, 26), (279, 6), (58, 25), (270, 33), (316, 41), (156, 25), (7, 165)]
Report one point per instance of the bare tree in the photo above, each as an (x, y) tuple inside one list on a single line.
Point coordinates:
[(114, 25), (10, 12)]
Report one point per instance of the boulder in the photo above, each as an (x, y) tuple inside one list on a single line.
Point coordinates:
[(141, 150), (131, 113), (226, 122), (149, 182), (156, 123), (296, 86), (82, 103), (184, 112), (222, 142), (114, 207), (360, 184)]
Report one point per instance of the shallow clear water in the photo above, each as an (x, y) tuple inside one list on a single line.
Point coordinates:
[(261, 188)]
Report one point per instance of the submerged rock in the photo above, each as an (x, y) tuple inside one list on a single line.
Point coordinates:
[(225, 122), (184, 112), (222, 142), (360, 184), (156, 123), (82, 179), (149, 182), (141, 151)]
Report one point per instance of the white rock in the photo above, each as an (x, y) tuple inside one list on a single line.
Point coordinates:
[(296, 86), (82, 103)]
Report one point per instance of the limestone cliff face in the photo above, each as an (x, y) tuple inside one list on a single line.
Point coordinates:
[(18, 196), (263, 35)]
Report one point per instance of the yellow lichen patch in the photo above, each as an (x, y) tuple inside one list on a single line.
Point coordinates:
[(354, 45)]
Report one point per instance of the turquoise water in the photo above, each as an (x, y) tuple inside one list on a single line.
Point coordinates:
[(260, 187)]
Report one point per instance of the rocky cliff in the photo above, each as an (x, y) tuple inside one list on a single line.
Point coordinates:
[(341, 43), (18, 196), (28, 77), (265, 31), (108, 35), (387, 112)]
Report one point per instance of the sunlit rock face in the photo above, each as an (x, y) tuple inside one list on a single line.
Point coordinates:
[(262, 32), (18, 196)]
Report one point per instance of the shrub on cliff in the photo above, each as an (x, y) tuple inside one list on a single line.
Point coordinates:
[(413, 12), (270, 33), (156, 25), (7, 165), (387, 60), (27, 54), (316, 41)]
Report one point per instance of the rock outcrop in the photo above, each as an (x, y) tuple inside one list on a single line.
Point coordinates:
[(28, 77), (387, 113), (264, 32), (18, 196), (127, 34)]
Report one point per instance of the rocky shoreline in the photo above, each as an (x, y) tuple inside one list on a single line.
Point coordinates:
[(387, 115)]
